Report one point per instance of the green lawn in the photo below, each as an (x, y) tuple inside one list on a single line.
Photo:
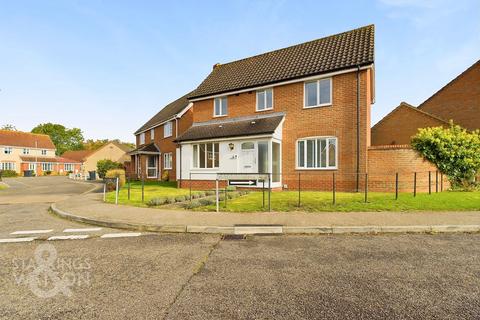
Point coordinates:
[(322, 201), (311, 201), (152, 190)]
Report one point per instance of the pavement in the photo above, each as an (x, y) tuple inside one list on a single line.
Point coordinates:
[(210, 276), (90, 208)]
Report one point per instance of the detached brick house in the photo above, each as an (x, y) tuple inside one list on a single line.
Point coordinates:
[(302, 109), (21, 151), (156, 151), (459, 101)]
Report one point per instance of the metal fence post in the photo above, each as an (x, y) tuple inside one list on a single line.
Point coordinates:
[(299, 201), (226, 196), (333, 188), (429, 182), (143, 189), (217, 195), (104, 191), (396, 186), (269, 192), (116, 191), (263, 192), (128, 182), (436, 181), (414, 184), (366, 187), (190, 185)]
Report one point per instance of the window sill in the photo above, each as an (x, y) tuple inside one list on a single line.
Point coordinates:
[(318, 106), (204, 169), (317, 169), (220, 116), (270, 109)]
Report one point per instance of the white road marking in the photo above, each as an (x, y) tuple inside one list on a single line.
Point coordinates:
[(82, 230), (32, 231), (120, 235), (71, 237), (16, 240)]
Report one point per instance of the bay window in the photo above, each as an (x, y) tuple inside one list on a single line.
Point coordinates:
[(317, 153), (318, 93), (7, 166), (206, 155)]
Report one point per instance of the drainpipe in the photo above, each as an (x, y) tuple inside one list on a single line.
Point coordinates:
[(358, 131), (180, 165)]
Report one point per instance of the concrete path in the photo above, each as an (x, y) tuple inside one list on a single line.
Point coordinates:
[(89, 208)]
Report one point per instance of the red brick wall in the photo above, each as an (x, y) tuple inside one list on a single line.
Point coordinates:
[(166, 145), (400, 125), (459, 100), (337, 120), (385, 161)]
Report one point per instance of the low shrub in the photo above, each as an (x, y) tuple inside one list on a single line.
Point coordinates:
[(195, 195), (47, 173), (201, 194), (210, 192), (156, 202), (103, 166), (206, 201), (165, 176), (8, 173), (191, 205), (180, 198), (117, 173), (170, 200)]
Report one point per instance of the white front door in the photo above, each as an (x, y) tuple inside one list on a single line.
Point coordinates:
[(248, 157)]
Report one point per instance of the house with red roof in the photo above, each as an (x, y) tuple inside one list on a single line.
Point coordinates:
[(32, 152)]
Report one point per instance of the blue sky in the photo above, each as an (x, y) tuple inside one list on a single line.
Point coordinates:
[(108, 66)]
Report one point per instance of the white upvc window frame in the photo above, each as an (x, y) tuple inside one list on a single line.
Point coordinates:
[(25, 151), (152, 134), (142, 138), (221, 100), (318, 104), (168, 129), (206, 156), (47, 166), (7, 150), (167, 161), (328, 167), (69, 167), (8, 165), (32, 166), (44, 152), (264, 100), (155, 167)]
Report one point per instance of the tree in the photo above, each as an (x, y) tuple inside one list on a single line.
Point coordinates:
[(104, 165), (8, 127), (63, 138), (454, 150)]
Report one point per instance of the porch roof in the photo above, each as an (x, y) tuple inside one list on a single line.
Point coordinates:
[(227, 129), (150, 148)]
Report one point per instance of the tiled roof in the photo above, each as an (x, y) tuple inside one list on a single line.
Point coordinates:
[(337, 52), (240, 127), (78, 155), (166, 113), (25, 139), (48, 159), (147, 148)]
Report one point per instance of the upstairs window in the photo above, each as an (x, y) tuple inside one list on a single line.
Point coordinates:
[(7, 150), (167, 129), (44, 152), (318, 93), (142, 138), (317, 153), (265, 99), (26, 151), (152, 134), (220, 106)]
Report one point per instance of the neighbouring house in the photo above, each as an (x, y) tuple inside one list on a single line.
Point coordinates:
[(304, 109), (22, 151), (459, 101), (156, 155), (88, 158)]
